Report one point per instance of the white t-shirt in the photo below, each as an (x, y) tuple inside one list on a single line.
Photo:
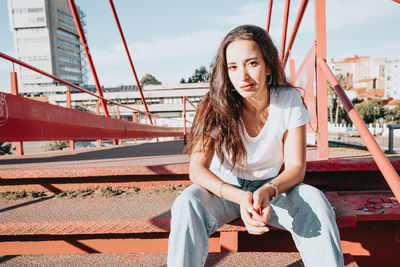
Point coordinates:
[(265, 151)]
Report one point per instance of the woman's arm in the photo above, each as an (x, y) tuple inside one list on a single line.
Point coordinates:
[(294, 151), (200, 174)]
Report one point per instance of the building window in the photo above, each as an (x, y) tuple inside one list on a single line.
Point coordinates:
[(70, 69), (69, 60), (67, 34), (68, 52), (27, 10), (67, 43), (67, 25), (65, 15)]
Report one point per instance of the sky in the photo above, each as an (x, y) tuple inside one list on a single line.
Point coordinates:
[(170, 39)]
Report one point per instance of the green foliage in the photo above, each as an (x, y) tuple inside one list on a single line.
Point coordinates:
[(149, 79), (59, 145), (200, 75), (371, 111), (5, 148)]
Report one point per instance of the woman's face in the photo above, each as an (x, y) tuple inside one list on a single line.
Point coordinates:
[(247, 70)]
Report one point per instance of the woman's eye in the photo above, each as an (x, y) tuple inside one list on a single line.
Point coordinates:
[(253, 63), (232, 68)]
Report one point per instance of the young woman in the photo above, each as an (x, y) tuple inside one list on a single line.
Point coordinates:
[(251, 121)]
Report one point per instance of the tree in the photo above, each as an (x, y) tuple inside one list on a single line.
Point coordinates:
[(5, 148), (149, 79), (334, 104), (371, 111), (200, 75), (182, 80)]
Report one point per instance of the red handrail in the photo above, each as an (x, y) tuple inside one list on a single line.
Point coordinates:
[(388, 172)]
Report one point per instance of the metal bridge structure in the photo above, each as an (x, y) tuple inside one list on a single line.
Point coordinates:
[(364, 191)]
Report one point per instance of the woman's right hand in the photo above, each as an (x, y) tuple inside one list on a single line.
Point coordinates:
[(252, 220)]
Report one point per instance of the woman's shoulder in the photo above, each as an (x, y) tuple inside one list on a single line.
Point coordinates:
[(284, 95)]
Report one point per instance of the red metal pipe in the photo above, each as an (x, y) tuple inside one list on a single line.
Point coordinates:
[(79, 27), (390, 174), (19, 146), (284, 29), (69, 105), (299, 18), (130, 59), (99, 141), (322, 87), (269, 15), (184, 120), (9, 58)]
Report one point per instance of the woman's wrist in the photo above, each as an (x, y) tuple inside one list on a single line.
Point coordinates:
[(271, 190)]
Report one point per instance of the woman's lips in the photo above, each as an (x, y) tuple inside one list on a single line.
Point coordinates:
[(247, 87)]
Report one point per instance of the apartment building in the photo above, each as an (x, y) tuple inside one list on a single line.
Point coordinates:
[(45, 36), (392, 79)]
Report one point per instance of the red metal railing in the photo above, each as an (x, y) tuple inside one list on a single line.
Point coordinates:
[(184, 117), (390, 174), (70, 125), (323, 73)]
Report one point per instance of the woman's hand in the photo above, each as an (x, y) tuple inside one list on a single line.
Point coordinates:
[(261, 204), (254, 222)]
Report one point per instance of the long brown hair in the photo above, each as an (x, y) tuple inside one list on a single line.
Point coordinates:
[(222, 107)]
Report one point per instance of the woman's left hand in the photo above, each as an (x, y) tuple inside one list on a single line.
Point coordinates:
[(261, 204)]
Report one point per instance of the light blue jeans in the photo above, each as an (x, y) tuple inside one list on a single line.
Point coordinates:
[(303, 211)]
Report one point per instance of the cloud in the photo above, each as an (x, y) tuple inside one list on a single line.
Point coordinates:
[(172, 57)]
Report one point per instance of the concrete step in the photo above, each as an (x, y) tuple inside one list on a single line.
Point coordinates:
[(140, 223), (160, 259)]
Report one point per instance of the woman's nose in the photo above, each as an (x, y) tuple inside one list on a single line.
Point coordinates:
[(244, 75)]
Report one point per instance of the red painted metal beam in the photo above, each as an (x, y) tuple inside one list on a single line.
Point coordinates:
[(30, 120), (130, 60), (284, 28), (19, 146), (322, 87), (269, 15), (300, 14), (79, 27), (390, 174)]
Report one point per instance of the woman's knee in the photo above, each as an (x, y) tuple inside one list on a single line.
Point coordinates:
[(190, 198), (316, 199)]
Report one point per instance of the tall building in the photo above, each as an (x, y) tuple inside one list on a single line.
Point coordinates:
[(393, 79), (45, 36)]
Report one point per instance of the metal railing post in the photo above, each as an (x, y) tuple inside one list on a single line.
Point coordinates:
[(19, 146), (284, 29), (184, 120), (130, 60), (269, 15), (69, 105), (99, 142), (321, 81), (79, 27)]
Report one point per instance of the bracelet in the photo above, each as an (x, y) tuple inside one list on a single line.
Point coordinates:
[(220, 190), (275, 191)]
